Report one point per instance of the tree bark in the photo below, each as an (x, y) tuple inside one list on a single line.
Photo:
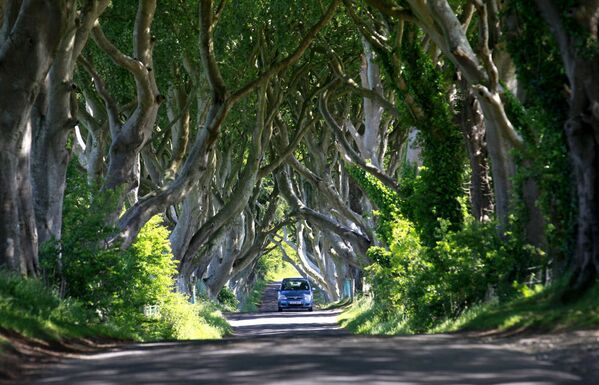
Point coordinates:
[(582, 130), (443, 27), (54, 119), (222, 102), (129, 138), (481, 194), (27, 48)]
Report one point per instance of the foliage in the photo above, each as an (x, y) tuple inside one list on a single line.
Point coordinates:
[(540, 310), (105, 278), (180, 319), (250, 303), (435, 266), (226, 297), (82, 265), (116, 284), (427, 284), (30, 309), (439, 187), (275, 268), (387, 201), (540, 118)]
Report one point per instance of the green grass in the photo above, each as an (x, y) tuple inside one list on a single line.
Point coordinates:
[(30, 309), (541, 311), (253, 299), (537, 311), (343, 302), (363, 317)]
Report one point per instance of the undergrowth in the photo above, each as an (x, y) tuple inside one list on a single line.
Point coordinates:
[(251, 303), (536, 310), (28, 308), (540, 310)]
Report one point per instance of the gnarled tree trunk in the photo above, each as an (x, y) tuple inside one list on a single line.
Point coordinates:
[(582, 126), (31, 32), (54, 119)]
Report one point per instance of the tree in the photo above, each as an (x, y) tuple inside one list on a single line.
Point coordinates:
[(575, 30), (54, 118), (31, 32)]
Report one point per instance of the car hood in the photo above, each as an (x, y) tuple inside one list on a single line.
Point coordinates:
[(295, 292)]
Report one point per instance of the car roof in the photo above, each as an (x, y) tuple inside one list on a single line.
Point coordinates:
[(295, 279)]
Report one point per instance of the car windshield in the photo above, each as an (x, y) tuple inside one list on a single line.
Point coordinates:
[(295, 285)]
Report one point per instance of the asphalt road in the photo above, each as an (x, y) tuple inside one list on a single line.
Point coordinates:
[(308, 348)]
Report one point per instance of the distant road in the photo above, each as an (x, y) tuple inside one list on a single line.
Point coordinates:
[(308, 348)]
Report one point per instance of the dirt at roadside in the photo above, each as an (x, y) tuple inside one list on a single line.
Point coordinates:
[(575, 351), (22, 356)]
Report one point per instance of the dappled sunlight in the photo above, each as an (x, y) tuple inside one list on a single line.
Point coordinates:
[(309, 348), (414, 360)]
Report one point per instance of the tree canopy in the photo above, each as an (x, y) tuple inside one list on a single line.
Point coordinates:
[(442, 152)]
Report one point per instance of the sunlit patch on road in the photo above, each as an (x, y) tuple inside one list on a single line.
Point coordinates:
[(287, 323)]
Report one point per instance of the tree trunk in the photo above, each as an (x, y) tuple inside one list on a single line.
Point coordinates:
[(534, 225), (481, 193), (33, 39), (53, 121), (221, 103), (129, 138), (582, 128)]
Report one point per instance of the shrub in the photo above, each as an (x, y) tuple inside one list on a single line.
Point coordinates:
[(30, 309), (116, 284), (427, 285), (180, 319), (227, 299)]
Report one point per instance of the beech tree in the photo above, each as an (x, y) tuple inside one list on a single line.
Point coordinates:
[(30, 35), (577, 39), (54, 117), (253, 126)]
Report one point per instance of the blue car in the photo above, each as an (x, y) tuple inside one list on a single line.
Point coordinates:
[(295, 293)]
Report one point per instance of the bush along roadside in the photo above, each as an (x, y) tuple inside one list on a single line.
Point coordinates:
[(417, 287), (90, 291), (532, 310), (116, 285)]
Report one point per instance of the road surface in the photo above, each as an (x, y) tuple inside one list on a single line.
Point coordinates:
[(308, 348)]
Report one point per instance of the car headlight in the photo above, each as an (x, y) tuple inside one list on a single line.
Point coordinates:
[(282, 296), (307, 297)]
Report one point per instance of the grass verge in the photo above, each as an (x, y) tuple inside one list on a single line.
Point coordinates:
[(28, 308), (36, 326), (363, 317), (538, 311), (344, 302), (251, 303)]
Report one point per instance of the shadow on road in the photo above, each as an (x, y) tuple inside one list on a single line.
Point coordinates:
[(309, 348), (422, 360)]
